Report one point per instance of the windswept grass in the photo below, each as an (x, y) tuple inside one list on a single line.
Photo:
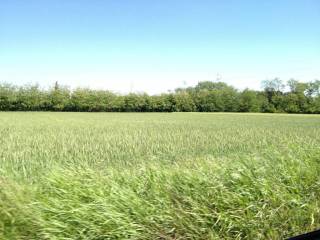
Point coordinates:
[(158, 176)]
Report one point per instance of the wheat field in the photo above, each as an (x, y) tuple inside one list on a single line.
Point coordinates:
[(158, 175)]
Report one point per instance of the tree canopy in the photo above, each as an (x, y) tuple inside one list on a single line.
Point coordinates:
[(276, 96)]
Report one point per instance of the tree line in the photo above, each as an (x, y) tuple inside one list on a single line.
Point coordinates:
[(290, 97)]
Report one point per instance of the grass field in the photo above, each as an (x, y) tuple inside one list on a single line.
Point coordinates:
[(158, 176)]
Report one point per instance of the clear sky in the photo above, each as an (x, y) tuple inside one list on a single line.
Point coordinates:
[(158, 45)]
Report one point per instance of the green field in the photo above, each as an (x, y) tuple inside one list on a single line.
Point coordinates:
[(158, 175)]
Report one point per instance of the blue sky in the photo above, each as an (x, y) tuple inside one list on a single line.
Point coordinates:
[(154, 46)]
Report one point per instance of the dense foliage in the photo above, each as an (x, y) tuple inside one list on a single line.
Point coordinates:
[(158, 176), (294, 97)]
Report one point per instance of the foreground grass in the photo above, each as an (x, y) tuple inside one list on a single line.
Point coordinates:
[(158, 176)]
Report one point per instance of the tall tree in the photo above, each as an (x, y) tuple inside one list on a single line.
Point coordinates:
[(60, 97)]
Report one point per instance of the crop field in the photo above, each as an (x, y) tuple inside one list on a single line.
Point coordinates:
[(158, 175)]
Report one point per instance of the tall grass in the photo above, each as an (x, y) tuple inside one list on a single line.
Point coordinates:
[(158, 176)]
